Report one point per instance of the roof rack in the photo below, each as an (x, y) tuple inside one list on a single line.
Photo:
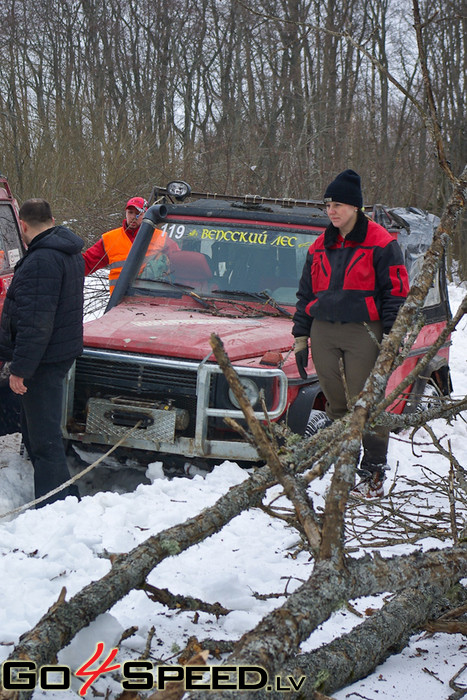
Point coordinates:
[(178, 191), (250, 199)]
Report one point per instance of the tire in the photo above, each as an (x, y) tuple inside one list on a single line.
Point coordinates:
[(431, 396)]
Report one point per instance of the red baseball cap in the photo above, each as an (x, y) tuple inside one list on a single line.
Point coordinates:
[(139, 203)]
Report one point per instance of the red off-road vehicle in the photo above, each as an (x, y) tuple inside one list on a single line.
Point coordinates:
[(235, 273), (11, 250)]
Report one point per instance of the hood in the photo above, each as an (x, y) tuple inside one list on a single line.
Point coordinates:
[(58, 238), (168, 331)]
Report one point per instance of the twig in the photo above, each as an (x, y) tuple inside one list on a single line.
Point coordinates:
[(181, 602), (452, 503), (348, 398), (459, 692), (147, 648)]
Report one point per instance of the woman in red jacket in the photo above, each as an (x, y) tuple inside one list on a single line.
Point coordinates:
[(352, 286)]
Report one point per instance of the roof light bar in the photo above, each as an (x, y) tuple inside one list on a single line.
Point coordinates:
[(178, 189)]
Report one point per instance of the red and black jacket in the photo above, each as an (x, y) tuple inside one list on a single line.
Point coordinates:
[(361, 277)]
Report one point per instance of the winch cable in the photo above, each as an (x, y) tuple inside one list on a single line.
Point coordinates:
[(75, 478)]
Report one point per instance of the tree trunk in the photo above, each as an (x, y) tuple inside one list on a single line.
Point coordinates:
[(385, 632), (276, 639)]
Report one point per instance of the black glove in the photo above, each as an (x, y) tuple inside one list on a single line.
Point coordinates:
[(301, 354)]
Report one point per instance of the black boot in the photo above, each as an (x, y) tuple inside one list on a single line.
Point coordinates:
[(372, 479)]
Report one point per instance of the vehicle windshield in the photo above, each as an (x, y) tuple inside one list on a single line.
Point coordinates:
[(214, 259)]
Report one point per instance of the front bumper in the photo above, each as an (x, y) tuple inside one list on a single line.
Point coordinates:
[(111, 417)]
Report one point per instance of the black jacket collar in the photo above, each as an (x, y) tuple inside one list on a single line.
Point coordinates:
[(357, 234), (40, 236)]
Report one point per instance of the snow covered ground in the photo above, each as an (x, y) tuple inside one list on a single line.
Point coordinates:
[(62, 545)]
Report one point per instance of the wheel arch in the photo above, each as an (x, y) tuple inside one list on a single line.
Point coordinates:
[(436, 371), (299, 411)]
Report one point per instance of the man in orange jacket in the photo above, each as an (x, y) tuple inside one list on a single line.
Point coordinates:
[(112, 249)]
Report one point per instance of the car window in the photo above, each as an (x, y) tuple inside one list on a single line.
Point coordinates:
[(433, 298), (230, 257), (10, 250)]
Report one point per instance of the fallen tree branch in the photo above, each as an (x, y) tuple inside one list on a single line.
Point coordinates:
[(448, 627), (182, 602), (402, 518), (294, 487), (354, 655), (63, 621), (461, 473), (276, 639), (447, 409)]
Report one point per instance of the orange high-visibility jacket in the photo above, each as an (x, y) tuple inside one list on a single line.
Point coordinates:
[(117, 246)]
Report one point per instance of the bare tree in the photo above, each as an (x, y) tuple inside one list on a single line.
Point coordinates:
[(98, 99)]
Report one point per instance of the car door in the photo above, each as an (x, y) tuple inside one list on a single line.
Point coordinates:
[(11, 250), (11, 246)]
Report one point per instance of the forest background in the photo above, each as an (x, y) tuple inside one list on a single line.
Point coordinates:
[(102, 99)]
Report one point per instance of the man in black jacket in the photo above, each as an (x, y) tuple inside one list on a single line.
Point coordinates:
[(41, 334)]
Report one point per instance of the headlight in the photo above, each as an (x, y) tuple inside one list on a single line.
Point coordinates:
[(251, 390), (178, 189)]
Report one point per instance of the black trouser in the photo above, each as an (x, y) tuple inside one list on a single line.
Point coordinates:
[(41, 409), (358, 350)]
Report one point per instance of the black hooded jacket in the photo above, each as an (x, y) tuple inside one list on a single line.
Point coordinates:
[(42, 319)]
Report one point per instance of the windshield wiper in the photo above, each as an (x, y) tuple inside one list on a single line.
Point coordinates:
[(256, 295), (144, 282), (183, 287), (272, 302)]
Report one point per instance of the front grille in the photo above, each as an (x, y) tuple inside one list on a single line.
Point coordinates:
[(105, 378), (136, 377)]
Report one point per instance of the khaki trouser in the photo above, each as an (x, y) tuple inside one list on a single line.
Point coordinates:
[(353, 343)]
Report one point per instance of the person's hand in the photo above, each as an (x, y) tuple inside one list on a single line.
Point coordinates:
[(17, 384), (301, 354)]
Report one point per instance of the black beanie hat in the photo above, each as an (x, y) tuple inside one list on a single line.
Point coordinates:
[(345, 189)]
